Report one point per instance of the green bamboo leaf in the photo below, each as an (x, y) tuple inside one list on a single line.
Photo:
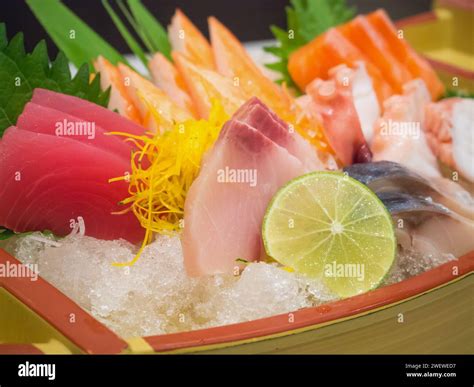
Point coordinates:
[(152, 28), (74, 37), (126, 35), (136, 27)]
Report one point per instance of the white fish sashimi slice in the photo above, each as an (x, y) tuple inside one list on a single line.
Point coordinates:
[(226, 203), (445, 235), (463, 137), (365, 100), (449, 129), (257, 115), (399, 134)]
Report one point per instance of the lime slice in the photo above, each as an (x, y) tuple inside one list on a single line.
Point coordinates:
[(330, 226)]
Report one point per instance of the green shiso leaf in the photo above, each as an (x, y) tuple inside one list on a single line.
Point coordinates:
[(21, 73)]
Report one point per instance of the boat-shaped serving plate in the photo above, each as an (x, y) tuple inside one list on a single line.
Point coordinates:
[(428, 313)]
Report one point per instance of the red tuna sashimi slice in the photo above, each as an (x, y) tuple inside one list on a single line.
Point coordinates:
[(49, 181), (87, 111), (226, 203), (41, 119), (256, 114)]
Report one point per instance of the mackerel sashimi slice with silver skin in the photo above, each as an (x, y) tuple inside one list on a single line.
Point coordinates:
[(49, 181), (45, 120), (257, 115), (225, 205), (87, 111)]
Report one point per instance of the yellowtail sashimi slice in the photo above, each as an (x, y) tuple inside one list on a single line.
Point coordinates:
[(329, 226), (256, 114), (225, 205)]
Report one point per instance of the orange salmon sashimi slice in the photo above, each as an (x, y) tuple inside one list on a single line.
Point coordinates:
[(119, 99), (205, 85), (186, 38), (151, 100), (400, 48), (364, 36), (167, 78), (315, 59), (233, 61)]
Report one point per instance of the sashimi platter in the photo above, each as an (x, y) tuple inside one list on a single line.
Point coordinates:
[(204, 182)]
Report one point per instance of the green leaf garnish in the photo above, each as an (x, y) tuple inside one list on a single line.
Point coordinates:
[(21, 73), (6, 234), (127, 36), (461, 93), (138, 29), (74, 37), (152, 34), (305, 20), (150, 28)]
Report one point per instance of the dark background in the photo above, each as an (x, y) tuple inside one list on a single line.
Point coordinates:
[(248, 19)]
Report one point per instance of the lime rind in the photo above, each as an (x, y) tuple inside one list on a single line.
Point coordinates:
[(375, 229)]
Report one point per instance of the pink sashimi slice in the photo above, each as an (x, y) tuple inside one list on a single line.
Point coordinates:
[(87, 111), (41, 119), (48, 182), (449, 130), (256, 114), (226, 203), (399, 134), (335, 102)]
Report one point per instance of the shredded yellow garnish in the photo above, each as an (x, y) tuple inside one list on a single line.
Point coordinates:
[(163, 169)]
